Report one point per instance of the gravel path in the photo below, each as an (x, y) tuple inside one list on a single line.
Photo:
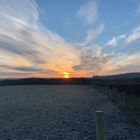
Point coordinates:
[(59, 113)]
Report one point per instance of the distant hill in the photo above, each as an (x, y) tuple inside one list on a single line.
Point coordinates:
[(125, 75), (127, 78), (45, 81)]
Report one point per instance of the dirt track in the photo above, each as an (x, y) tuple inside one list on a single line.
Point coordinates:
[(59, 113)]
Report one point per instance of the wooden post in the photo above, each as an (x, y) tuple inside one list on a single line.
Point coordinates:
[(100, 126)]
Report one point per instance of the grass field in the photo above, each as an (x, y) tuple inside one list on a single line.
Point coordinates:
[(126, 97), (59, 112)]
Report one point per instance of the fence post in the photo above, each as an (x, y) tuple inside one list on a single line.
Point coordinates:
[(100, 126)]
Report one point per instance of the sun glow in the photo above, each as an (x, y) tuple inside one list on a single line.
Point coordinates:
[(66, 75)]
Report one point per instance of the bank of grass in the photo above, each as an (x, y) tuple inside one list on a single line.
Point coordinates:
[(126, 101), (132, 107)]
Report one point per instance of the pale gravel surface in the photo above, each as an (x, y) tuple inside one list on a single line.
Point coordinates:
[(59, 112)]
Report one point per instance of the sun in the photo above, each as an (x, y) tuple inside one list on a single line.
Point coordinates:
[(66, 75)]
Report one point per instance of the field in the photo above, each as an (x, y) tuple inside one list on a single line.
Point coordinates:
[(59, 112)]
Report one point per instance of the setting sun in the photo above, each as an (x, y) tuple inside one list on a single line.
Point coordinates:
[(66, 75)]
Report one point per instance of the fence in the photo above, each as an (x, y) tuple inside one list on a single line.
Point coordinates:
[(126, 97)]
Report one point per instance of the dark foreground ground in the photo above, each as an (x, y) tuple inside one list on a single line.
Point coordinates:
[(59, 112)]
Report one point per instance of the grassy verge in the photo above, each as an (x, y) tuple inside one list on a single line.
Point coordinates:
[(132, 107), (128, 103)]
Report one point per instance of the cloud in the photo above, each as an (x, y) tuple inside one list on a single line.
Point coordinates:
[(92, 34), (134, 35), (13, 75), (122, 63), (24, 69), (114, 41), (29, 49), (88, 11), (126, 69), (93, 60), (27, 44)]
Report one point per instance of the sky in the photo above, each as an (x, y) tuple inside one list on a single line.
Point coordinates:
[(69, 38)]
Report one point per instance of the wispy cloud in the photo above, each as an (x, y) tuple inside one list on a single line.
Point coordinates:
[(92, 34), (114, 41), (134, 35), (88, 11), (28, 48), (23, 69), (123, 63), (93, 61), (23, 37)]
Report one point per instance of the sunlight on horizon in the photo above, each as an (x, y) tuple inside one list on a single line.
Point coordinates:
[(66, 75)]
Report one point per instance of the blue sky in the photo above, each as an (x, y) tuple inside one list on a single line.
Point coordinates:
[(47, 38), (61, 17)]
